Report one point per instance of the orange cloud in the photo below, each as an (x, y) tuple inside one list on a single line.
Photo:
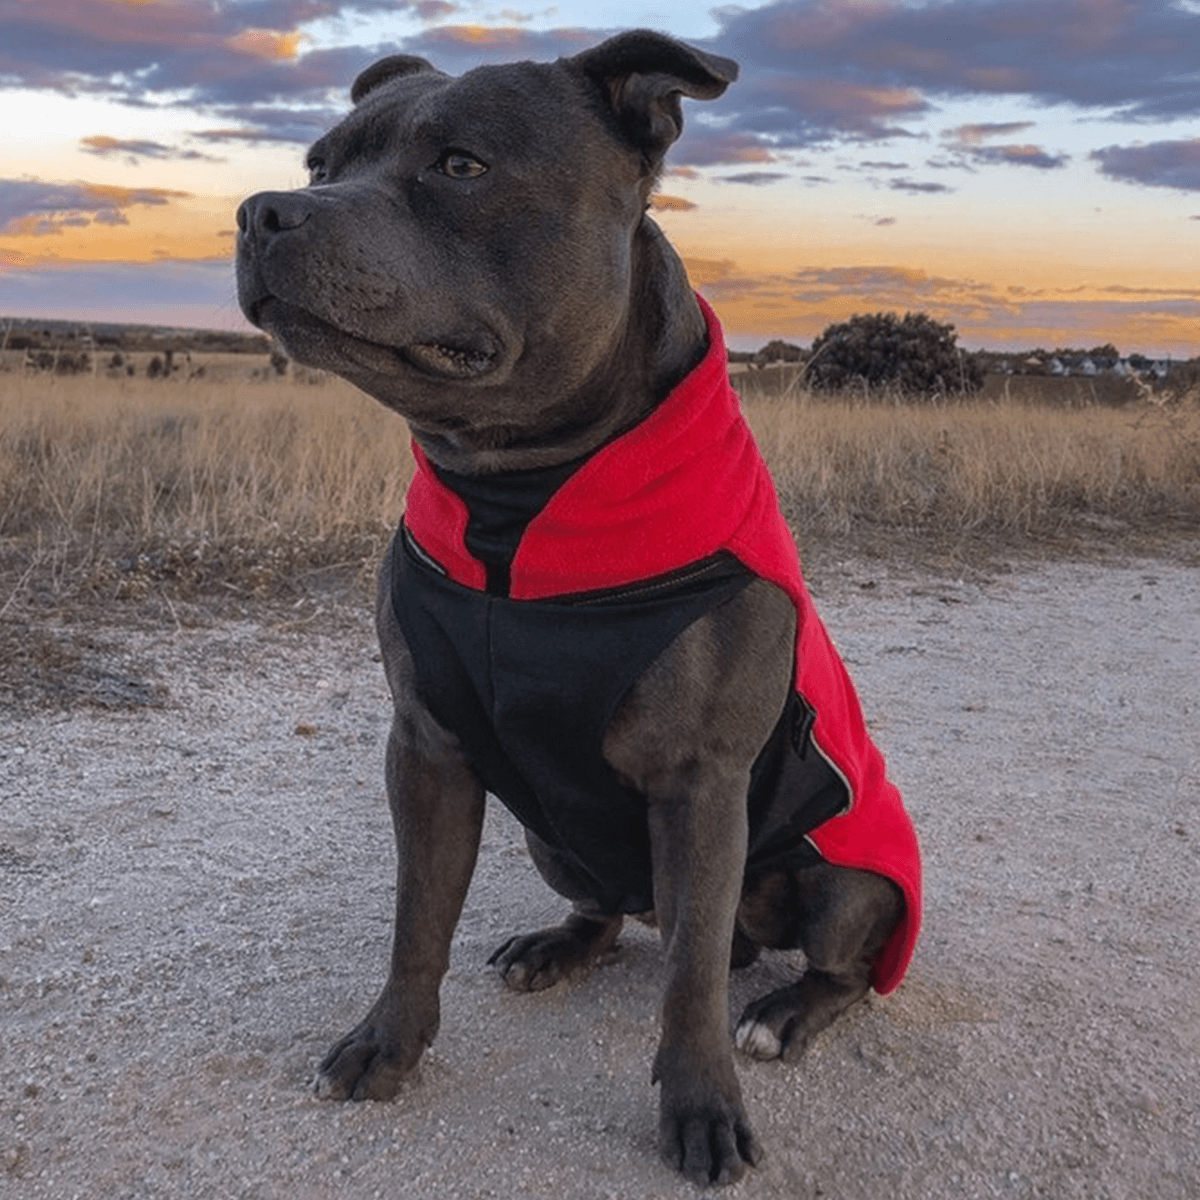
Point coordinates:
[(111, 194), (974, 135), (118, 227), (36, 208), (750, 154), (663, 202), (843, 100), (268, 44), (482, 35), (877, 99)]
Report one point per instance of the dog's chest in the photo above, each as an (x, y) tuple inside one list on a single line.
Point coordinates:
[(529, 687)]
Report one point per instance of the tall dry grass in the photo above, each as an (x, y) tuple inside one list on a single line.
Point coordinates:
[(988, 467), (121, 482), (128, 484)]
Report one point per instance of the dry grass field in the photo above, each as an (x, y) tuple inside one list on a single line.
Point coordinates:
[(228, 481), (999, 466), (241, 481)]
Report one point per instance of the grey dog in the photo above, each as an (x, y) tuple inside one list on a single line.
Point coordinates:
[(475, 253)]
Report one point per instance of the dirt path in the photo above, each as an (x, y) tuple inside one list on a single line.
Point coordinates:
[(195, 899)]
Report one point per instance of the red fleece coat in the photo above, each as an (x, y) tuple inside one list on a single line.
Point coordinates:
[(684, 484)]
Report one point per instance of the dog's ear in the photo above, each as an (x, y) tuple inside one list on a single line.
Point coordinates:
[(643, 75), (391, 67)]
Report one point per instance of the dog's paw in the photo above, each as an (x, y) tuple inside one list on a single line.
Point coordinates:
[(784, 1022), (376, 1056), (758, 1040), (774, 1026), (360, 1067), (535, 961), (709, 1142)]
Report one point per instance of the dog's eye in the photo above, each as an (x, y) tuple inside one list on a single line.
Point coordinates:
[(317, 170), (458, 165)]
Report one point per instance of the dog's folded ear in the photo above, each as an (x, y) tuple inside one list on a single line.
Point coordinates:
[(644, 74), (391, 67)]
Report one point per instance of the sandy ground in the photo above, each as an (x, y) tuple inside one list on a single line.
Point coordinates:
[(195, 899)]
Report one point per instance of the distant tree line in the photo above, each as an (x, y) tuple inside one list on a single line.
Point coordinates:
[(35, 336), (916, 356), (69, 348)]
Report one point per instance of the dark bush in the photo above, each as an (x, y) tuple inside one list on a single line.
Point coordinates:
[(779, 351), (60, 362), (914, 356)]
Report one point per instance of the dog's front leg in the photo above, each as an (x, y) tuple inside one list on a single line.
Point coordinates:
[(437, 810), (686, 736), (698, 836)]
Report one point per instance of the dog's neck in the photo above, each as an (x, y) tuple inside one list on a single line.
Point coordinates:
[(665, 309), (501, 506), (662, 338)]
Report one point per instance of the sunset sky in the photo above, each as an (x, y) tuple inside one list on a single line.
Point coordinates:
[(1026, 169)]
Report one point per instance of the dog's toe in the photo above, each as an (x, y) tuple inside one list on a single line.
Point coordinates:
[(757, 1040), (708, 1143), (359, 1068)]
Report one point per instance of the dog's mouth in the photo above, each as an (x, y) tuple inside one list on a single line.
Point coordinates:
[(449, 361), (314, 340)]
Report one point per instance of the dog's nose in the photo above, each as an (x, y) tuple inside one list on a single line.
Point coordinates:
[(273, 212)]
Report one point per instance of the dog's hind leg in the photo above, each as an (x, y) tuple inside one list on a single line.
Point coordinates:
[(841, 919), (533, 961)]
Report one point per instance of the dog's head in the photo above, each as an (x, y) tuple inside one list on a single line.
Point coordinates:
[(463, 250)]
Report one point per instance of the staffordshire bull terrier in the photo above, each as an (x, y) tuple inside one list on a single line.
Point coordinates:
[(592, 608)]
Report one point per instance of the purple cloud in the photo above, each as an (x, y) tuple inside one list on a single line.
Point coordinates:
[(967, 142), (431, 10), (1137, 56), (133, 150), (815, 72), (32, 206), (1159, 164), (252, 124), (703, 146), (1021, 156), (754, 178), (216, 53), (802, 108), (910, 185)]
